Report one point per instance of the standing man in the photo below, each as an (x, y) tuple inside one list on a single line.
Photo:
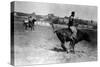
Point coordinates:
[(30, 20)]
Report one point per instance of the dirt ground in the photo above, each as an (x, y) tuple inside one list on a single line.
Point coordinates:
[(36, 47)]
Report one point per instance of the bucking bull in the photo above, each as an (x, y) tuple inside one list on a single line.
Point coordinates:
[(64, 36)]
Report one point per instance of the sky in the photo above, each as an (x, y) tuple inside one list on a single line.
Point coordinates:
[(81, 11)]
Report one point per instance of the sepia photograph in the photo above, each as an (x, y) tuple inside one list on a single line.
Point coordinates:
[(52, 33)]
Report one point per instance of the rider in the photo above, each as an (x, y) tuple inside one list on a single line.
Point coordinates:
[(71, 25)]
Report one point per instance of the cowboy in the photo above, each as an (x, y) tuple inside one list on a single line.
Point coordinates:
[(71, 25)]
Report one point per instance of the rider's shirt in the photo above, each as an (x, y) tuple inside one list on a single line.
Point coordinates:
[(71, 19)]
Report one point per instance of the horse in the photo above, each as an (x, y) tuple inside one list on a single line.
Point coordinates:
[(64, 36), (25, 24)]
